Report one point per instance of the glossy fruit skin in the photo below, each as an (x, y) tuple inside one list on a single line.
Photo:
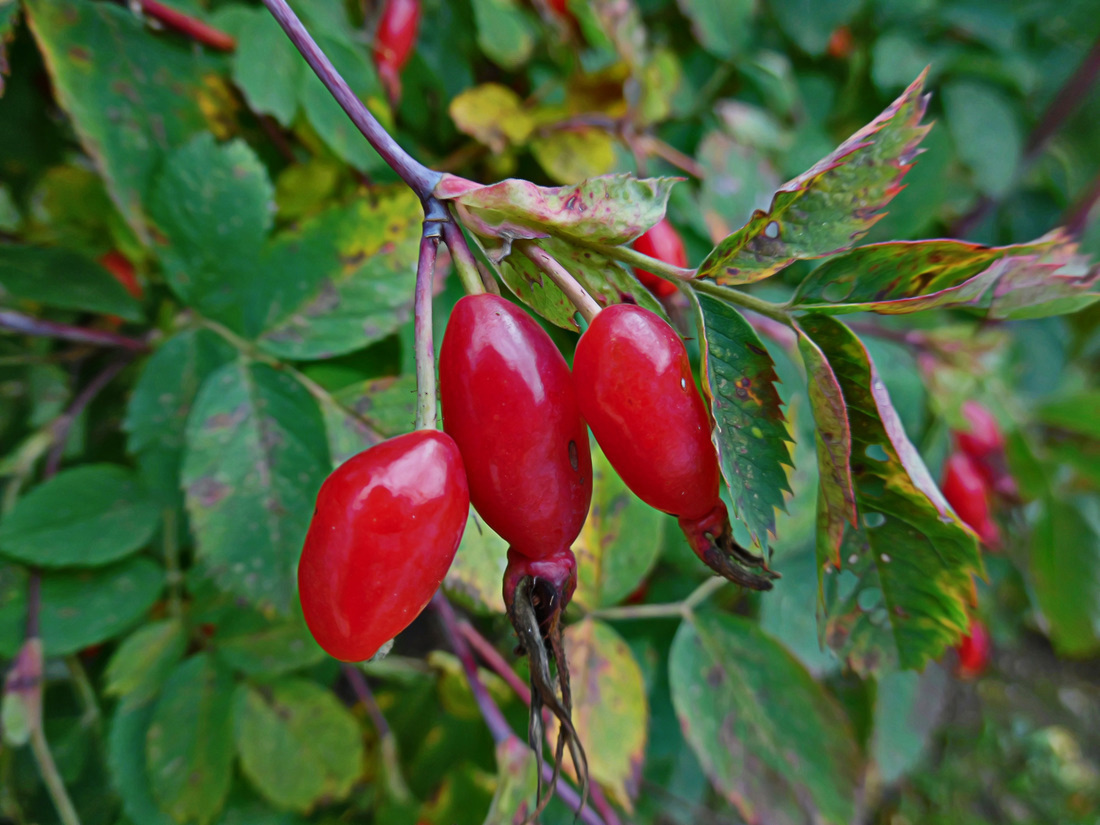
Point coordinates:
[(662, 242), (975, 651), (638, 395), (385, 530), (396, 35), (968, 494), (508, 401)]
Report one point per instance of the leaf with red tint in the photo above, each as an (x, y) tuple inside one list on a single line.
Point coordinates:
[(1023, 280), (832, 205), (611, 209), (895, 592)]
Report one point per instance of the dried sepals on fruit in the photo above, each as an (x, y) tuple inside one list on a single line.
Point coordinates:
[(508, 401)]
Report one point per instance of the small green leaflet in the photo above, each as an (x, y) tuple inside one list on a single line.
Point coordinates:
[(63, 279), (750, 431), (895, 590), (829, 207)]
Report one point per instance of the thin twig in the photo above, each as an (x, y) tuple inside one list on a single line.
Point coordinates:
[(64, 422), (742, 299), (494, 719), (468, 270), (501, 668), (185, 24), (27, 325), (679, 610), (666, 152), (420, 178), (423, 346), (1077, 216), (387, 740), (578, 296)]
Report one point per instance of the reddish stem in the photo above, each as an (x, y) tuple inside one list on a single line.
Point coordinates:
[(1078, 215), (18, 322), (494, 719), (185, 24), (64, 422)]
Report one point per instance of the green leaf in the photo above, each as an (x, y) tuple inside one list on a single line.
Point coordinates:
[(514, 798), (189, 743), (738, 180), (905, 703), (255, 459), (750, 431), (342, 279), (132, 98), (721, 27), (161, 400), (619, 542), (809, 23), (83, 608), (829, 207), (910, 276), (610, 711), (63, 279), (143, 661), (214, 203), (1065, 577), (84, 517), (478, 569), (833, 437), (492, 114), (894, 593), (770, 739), (505, 34), (363, 414), (612, 209), (1075, 413), (126, 762), (298, 744), (266, 66), (987, 133), (621, 23), (253, 645), (573, 156)]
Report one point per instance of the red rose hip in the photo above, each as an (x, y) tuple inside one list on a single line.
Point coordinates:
[(385, 530), (637, 393), (975, 651), (394, 41), (508, 401), (662, 242), (968, 494)]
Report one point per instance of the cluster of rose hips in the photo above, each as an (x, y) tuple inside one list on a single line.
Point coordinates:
[(975, 474), (515, 444), (975, 477)]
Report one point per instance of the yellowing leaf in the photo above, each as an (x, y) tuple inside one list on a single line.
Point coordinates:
[(493, 114)]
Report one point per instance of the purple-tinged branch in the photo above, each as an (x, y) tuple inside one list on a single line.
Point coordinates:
[(27, 325), (420, 178)]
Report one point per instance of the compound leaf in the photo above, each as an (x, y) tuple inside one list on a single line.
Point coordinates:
[(894, 593), (829, 207)]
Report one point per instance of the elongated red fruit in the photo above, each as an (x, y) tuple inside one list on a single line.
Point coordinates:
[(638, 395), (968, 494), (509, 403), (975, 651), (983, 438), (387, 524), (662, 242), (394, 41)]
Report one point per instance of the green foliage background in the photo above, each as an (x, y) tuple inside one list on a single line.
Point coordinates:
[(161, 486)]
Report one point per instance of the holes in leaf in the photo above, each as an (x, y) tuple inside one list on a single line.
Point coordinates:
[(837, 291), (873, 519), (869, 599), (772, 230), (846, 584), (876, 452)]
